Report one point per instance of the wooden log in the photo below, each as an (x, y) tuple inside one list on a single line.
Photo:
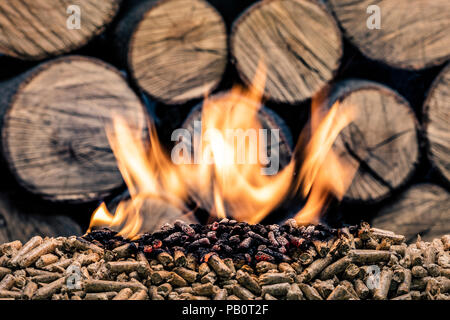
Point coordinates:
[(297, 40), (54, 120), (422, 209), (381, 142), (413, 33), (21, 221), (37, 29), (437, 122), (176, 50)]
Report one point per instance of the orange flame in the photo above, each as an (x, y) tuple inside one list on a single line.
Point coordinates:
[(322, 172), (226, 178)]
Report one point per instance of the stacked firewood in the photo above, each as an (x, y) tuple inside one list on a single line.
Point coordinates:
[(53, 115), (269, 262)]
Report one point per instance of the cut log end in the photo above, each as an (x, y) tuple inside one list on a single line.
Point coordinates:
[(37, 29), (54, 130), (178, 50), (422, 209), (413, 34), (437, 123), (297, 40), (381, 142)]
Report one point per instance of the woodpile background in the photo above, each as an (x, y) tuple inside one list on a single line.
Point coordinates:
[(60, 87)]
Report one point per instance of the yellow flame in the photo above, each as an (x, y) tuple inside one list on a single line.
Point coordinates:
[(322, 172), (227, 180)]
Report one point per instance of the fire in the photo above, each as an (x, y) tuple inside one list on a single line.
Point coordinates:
[(225, 177), (322, 172)]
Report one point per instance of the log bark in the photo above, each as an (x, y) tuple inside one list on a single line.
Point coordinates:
[(437, 122), (297, 40), (176, 50), (381, 142), (422, 209), (413, 33), (53, 125), (37, 29), (19, 221)]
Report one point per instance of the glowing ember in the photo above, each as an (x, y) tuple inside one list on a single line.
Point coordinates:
[(227, 174)]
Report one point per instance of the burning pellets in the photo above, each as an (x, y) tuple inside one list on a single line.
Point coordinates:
[(185, 228)]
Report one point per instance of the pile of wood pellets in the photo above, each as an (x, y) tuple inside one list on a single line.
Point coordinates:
[(354, 263)]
